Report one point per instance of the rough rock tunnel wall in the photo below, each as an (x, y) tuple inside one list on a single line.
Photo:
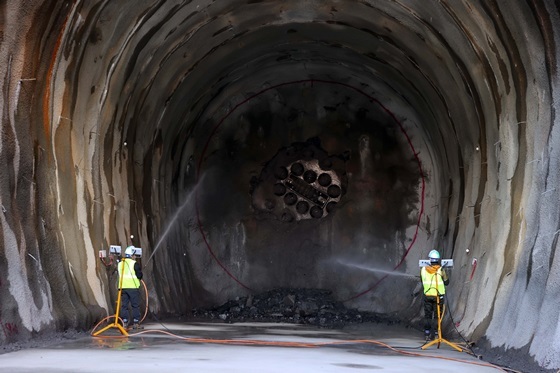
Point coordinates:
[(251, 145)]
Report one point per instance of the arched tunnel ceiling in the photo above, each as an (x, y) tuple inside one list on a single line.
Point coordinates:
[(251, 145)]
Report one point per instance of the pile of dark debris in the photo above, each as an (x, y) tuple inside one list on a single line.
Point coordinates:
[(298, 306)]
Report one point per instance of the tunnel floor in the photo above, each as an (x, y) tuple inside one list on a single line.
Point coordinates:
[(242, 347)]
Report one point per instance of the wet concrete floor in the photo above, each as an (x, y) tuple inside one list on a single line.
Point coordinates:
[(246, 347)]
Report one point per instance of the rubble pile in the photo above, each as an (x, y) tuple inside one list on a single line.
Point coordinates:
[(298, 306)]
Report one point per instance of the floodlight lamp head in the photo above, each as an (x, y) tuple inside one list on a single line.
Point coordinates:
[(445, 263)]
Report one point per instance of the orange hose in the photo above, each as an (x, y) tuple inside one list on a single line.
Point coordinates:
[(253, 342), (108, 317), (146, 310), (250, 342)]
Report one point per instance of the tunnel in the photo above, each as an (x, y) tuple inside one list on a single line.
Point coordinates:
[(249, 145)]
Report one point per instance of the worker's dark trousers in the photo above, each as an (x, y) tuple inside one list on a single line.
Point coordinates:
[(430, 314), (131, 296)]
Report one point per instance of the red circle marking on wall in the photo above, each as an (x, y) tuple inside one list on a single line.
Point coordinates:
[(312, 81)]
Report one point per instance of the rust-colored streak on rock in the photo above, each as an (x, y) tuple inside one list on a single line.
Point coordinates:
[(48, 85)]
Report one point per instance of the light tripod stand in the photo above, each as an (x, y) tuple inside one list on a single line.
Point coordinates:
[(439, 338), (116, 323)]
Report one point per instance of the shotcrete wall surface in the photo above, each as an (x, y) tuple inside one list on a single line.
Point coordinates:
[(253, 145)]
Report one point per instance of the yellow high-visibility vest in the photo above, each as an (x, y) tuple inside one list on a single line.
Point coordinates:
[(129, 279), (432, 282)]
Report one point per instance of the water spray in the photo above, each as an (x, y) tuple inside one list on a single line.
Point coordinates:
[(378, 270), (174, 219)]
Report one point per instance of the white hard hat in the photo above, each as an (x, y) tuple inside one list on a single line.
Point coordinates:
[(129, 251), (434, 256)]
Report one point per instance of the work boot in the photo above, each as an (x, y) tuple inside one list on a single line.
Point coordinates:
[(125, 323), (136, 324), (427, 335)]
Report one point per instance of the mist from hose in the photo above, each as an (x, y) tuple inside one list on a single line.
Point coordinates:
[(176, 216), (376, 270)]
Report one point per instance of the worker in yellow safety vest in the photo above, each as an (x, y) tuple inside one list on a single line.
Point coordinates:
[(130, 272), (434, 279)]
